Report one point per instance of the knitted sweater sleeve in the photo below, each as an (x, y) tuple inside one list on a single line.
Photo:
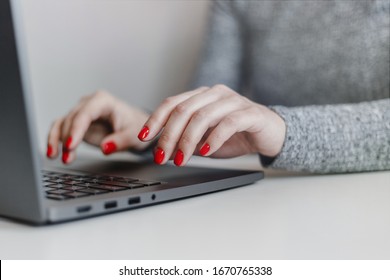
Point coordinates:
[(336, 138)]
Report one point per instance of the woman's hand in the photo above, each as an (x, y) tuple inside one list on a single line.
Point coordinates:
[(101, 120), (215, 122)]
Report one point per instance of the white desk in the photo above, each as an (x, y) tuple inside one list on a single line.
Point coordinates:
[(285, 216)]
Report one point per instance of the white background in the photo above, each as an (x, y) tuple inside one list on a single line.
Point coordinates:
[(282, 270), (141, 51)]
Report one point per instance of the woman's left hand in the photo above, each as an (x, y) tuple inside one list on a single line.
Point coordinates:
[(216, 122)]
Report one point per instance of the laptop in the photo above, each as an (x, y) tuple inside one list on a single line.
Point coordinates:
[(88, 188)]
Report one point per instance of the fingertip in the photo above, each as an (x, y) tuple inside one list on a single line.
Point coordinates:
[(109, 147), (204, 149), (159, 156), (179, 158), (144, 132), (49, 151), (67, 156)]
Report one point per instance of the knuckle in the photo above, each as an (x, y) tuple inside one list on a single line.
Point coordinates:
[(203, 88), (221, 87), (169, 100), (180, 109), (99, 94), (199, 115), (230, 121)]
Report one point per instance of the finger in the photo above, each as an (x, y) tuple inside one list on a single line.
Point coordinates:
[(53, 139), (178, 120), (235, 122), (203, 119), (68, 156), (68, 119), (158, 119), (99, 107), (65, 128)]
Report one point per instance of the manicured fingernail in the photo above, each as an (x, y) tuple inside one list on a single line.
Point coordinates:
[(68, 142), (109, 148), (205, 149), (49, 151), (179, 157), (159, 156), (143, 133), (65, 156)]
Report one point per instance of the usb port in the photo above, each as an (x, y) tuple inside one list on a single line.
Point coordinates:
[(84, 209), (110, 204), (134, 200)]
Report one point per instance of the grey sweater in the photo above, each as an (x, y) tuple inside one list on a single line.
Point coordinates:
[(323, 66)]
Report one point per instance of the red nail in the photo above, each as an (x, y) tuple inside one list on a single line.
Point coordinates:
[(143, 133), (205, 149), (159, 156), (65, 156), (49, 151), (109, 148), (68, 142), (179, 157)]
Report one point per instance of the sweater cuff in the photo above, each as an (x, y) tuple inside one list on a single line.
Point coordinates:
[(291, 156)]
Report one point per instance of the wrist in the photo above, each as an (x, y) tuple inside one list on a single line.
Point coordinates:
[(273, 135)]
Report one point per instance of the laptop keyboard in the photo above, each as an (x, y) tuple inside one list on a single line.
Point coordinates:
[(62, 186)]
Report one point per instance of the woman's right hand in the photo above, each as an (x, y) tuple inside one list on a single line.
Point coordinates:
[(99, 119)]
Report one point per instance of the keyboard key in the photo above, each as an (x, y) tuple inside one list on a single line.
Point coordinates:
[(56, 197), (123, 179), (59, 191), (108, 178), (93, 191), (73, 188), (135, 185), (75, 194), (56, 181), (58, 186), (86, 184), (109, 188), (49, 185), (114, 183), (71, 182), (148, 183)]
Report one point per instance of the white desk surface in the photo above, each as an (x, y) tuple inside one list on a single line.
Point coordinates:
[(284, 216)]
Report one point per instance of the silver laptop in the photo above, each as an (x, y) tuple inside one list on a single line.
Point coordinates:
[(31, 194)]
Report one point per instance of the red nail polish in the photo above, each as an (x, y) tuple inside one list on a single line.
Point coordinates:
[(68, 142), (143, 133), (65, 156), (49, 151), (109, 148), (205, 149), (159, 156), (179, 157)]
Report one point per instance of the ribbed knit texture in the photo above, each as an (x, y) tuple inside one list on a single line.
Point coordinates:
[(323, 66)]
